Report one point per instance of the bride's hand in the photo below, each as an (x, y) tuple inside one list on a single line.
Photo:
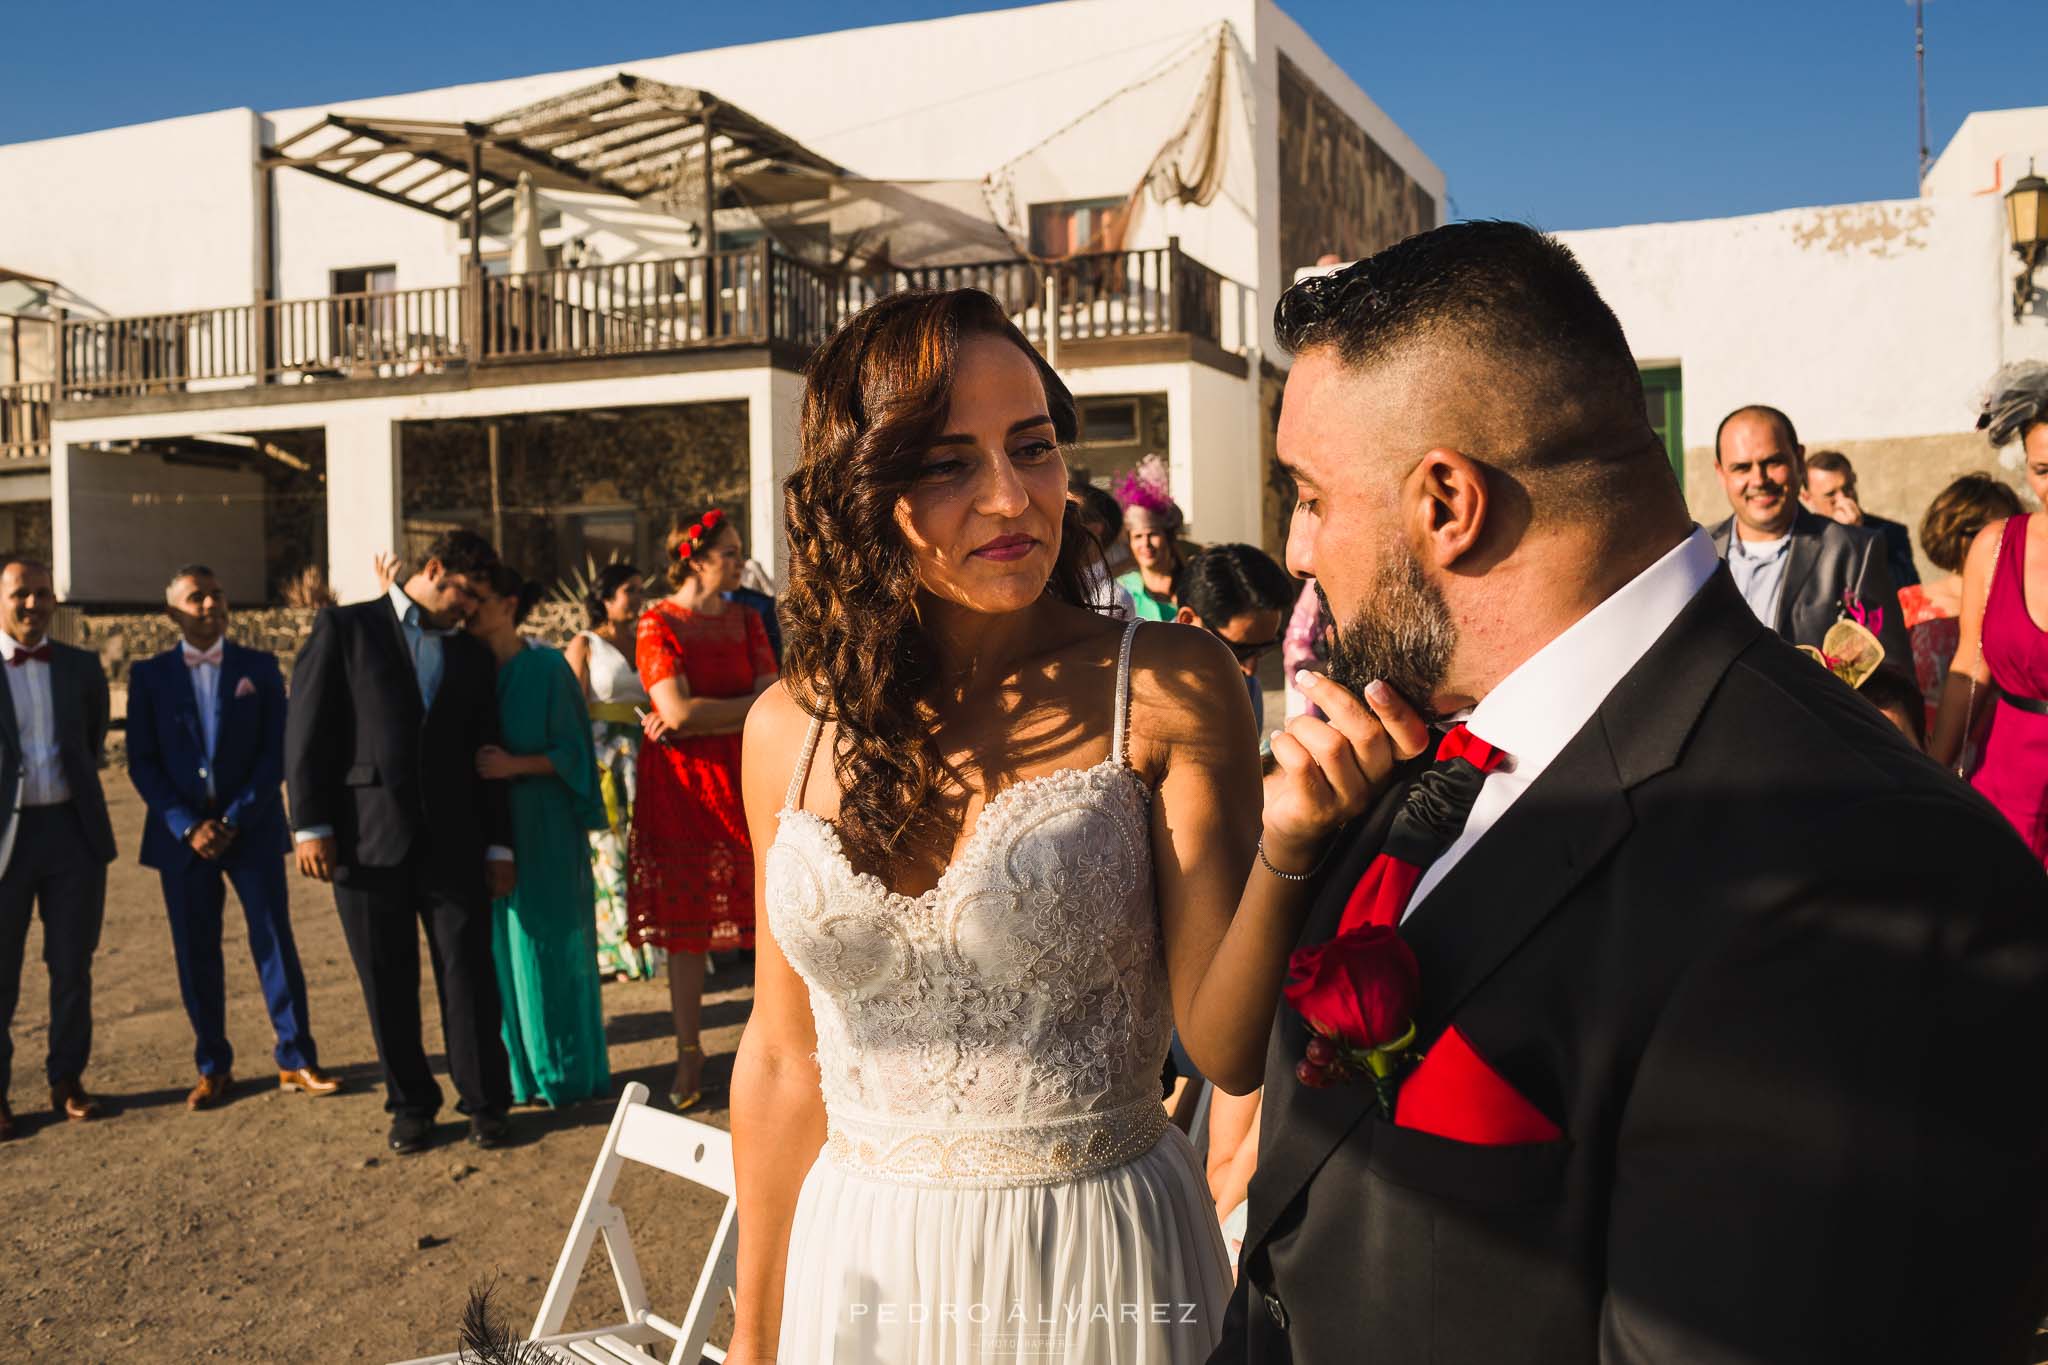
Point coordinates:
[(1328, 771)]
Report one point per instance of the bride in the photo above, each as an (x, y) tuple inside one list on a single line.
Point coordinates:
[(1005, 843)]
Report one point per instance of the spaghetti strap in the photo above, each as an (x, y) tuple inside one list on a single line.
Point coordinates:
[(1119, 732), (803, 765)]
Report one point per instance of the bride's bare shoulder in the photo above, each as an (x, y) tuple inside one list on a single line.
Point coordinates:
[(775, 719), (1184, 686)]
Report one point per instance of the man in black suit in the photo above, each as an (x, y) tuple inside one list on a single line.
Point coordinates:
[(55, 838), (1831, 492), (390, 703), (1797, 571), (1729, 1002)]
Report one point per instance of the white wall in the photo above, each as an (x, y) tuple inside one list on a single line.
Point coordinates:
[(1862, 321), (154, 217), (1212, 452), (128, 519)]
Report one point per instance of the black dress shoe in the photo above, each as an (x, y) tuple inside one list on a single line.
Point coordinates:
[(410, 1134), (489, 1131)]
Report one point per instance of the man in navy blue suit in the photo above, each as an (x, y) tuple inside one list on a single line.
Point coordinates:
[(206, 750)]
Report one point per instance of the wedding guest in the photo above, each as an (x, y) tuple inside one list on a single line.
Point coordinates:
[(1306, 645), (55, 837), (1239, 595), (1831, 492), (690, 882), (1152, 527), (206, 752), (1798, 572), (601, 657), (1933, 611), (1897, 699), (2001, 661), (390, 703), (543, 934), (1233, 1157), (1101, 518), (756, 592)]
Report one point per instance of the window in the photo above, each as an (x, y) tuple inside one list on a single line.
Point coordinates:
[(1076, 226), (1109, 421), (1661, 396), (500, 262), (362, 328), (363, 279)]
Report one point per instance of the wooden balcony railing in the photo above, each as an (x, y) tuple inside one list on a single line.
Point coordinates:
[(758, 296), (25, 421)]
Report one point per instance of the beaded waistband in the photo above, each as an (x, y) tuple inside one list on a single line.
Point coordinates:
[(1042, 1153)]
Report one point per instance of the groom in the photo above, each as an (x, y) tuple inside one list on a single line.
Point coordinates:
[(1731, 1006)]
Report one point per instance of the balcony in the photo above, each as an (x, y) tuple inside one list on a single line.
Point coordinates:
[(25, 421), (756, 306)]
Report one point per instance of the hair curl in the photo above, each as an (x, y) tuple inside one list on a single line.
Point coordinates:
[(854, 649)]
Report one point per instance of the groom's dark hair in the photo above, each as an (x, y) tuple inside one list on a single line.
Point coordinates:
[(462, 552), (1545, 348)]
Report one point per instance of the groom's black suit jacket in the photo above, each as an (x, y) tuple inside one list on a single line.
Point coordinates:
[(1784, 986)]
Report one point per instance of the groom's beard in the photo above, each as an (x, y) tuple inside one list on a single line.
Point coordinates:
[(1403, 636)]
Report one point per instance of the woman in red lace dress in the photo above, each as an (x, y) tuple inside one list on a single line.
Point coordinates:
[(690, 868)]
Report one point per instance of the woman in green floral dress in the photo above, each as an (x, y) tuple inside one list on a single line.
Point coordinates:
[(602, 659)]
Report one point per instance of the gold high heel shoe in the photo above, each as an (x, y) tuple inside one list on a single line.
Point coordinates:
[(677, 1098)]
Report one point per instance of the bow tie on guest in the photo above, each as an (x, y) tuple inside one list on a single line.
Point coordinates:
[(1429, 822), (41, 654), (197, 658)]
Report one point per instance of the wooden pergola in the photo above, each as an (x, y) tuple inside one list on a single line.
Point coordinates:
[(627, 136)]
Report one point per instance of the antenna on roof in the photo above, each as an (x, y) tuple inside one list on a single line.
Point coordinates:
[(1920, 62)]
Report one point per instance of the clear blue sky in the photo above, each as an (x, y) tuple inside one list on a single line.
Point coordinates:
[(1569, 113)]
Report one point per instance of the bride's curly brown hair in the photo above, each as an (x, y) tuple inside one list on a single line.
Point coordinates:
[(854, 649)]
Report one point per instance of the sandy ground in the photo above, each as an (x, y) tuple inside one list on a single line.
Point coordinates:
[(278, 1227)]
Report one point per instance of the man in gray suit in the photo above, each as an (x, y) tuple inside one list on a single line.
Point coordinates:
[(55, 838), (1799, 573)]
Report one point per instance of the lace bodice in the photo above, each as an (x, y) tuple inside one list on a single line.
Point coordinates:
[(1009, 1025)]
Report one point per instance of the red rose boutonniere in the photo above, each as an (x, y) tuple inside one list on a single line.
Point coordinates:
[(1358, 992)]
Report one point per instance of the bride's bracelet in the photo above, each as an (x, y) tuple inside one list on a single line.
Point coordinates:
[(1287, 876)]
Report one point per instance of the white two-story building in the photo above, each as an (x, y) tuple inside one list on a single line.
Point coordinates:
[(290, 339)]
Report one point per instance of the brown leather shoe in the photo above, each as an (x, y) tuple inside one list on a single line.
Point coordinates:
[(210, 1091), (68, 1100), (310, 1079), (6, 1122)]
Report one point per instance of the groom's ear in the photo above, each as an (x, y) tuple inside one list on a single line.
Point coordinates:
[(1449, 501)]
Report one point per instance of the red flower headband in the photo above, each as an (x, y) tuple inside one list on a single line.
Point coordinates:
[(698, 532)]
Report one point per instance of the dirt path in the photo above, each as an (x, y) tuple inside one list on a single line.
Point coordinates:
[(280, 1228)]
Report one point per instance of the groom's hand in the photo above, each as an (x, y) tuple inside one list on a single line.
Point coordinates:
[(1328, 771)]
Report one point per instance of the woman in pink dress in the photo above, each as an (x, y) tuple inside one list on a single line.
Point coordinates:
[(2002, 656), (1934, 609)]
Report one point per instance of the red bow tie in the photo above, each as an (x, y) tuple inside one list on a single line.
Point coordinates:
[(41, 653)]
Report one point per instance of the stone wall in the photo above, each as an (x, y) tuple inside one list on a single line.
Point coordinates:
[(576, 487), (122, 638), (1339, 190)]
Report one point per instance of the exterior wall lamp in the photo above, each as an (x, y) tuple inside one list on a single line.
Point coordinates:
[(2026, 215)]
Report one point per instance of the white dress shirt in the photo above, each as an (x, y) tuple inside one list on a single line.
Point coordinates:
[(204, 669), (1534, 711), (35, 715)]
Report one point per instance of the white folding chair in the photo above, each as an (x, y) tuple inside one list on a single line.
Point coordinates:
[(668, 1142)]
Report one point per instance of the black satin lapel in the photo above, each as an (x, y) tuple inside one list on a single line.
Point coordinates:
[(1301, 1125), (1509, 882)]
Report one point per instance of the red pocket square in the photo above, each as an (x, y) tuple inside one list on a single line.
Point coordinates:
[(1455, 1094), (245, 688)]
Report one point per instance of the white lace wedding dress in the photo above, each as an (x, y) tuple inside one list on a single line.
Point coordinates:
[(999, 1182)]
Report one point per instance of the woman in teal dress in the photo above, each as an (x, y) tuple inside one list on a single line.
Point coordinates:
[(544, 935)]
